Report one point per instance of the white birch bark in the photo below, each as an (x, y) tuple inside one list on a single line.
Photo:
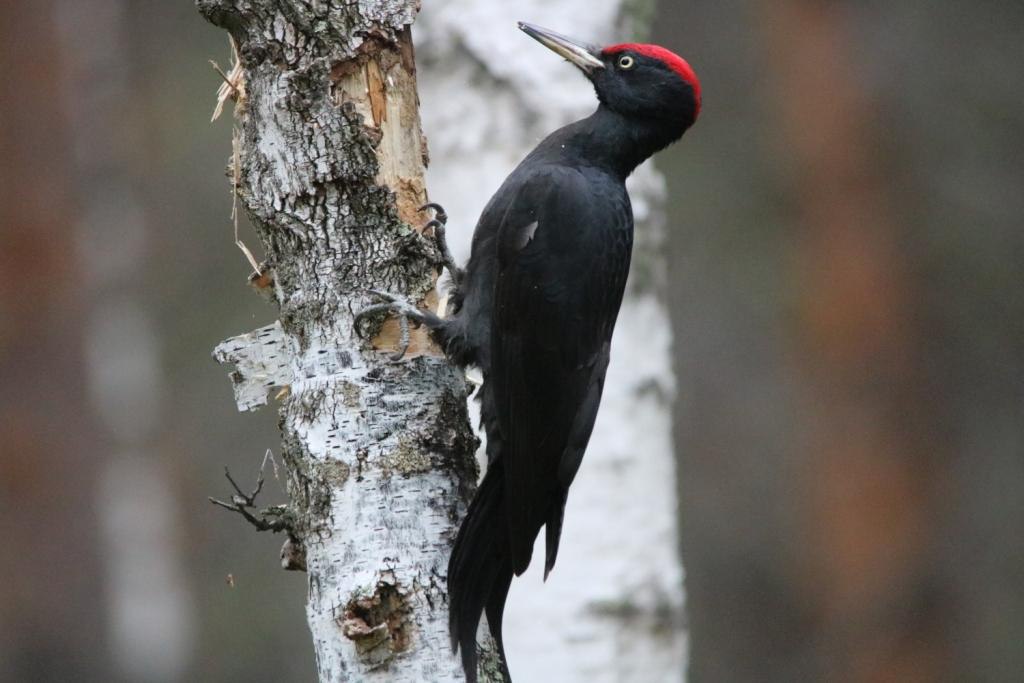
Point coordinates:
[(379, 455), (612, 609)]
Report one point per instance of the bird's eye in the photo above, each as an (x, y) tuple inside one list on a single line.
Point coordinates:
[(626, 62)]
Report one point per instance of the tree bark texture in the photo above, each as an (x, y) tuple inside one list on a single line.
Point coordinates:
[(379, 454)]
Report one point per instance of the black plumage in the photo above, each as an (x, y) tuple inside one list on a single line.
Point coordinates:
[(537, 308)]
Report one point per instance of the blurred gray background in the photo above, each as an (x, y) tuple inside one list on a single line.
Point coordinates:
[(846, 262)]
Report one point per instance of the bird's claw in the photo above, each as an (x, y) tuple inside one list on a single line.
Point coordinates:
[(390, 303), (437, 224), (402, 309), (439, 213)]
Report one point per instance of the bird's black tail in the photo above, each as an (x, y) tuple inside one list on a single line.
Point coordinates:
[(480, 572)]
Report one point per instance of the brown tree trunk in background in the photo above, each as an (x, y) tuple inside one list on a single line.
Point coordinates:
[(869, 432), (848, 305), (47, 441)]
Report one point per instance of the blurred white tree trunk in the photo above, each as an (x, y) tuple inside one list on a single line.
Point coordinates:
[(150, 616), (379, 454), (611, 611)]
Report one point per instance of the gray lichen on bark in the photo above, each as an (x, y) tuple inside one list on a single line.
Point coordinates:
[(379, 455)]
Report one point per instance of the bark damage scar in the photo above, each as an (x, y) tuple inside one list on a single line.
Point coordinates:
[(377, 92), (377, 84), (379, 624), (409, 196)]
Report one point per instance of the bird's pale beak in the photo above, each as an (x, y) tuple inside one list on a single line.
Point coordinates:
[(585, 56)]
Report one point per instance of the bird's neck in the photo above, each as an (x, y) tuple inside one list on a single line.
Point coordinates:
[(610, 140)]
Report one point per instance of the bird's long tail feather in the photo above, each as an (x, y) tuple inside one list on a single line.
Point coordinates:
[(479, 572)]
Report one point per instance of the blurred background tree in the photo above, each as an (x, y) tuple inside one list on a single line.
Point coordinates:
[(845, 268), (849, 318)]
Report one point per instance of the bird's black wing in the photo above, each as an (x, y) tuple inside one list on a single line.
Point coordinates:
[(563, 255)]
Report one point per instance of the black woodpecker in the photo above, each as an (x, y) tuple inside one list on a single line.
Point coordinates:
[(535, 310)]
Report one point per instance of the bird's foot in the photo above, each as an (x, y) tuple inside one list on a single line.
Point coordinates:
[(405, 311), (438, 224)]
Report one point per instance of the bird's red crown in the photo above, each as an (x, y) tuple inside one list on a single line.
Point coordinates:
[(666, 57)]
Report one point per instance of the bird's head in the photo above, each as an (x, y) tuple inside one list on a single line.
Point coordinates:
[(636, 80)]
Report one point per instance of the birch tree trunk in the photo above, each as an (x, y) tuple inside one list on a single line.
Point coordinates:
[(612, 611), (379, 455)]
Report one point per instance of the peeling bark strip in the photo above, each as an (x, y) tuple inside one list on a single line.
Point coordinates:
[(379, 455), (264, 360)]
